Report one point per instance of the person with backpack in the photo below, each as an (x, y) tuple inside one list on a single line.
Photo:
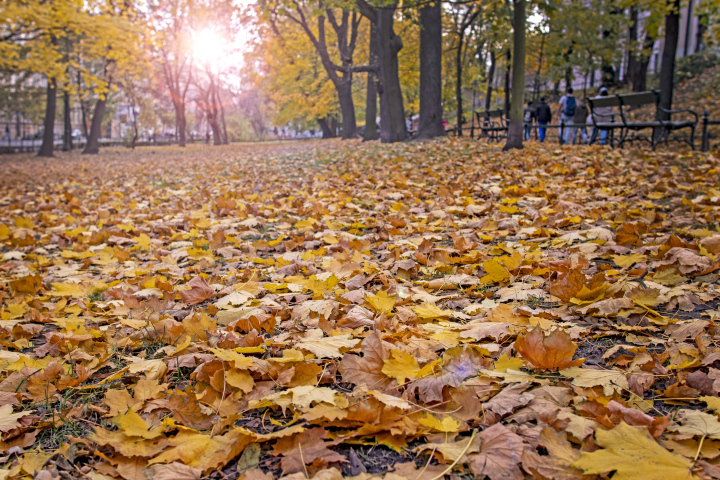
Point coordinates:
[(528, 117), (568, 105), (543, 114)]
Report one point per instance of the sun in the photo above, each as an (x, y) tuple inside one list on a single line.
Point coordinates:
[(208, 46)]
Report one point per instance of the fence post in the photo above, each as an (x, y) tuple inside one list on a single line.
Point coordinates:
[(705, 139), (562, 130)]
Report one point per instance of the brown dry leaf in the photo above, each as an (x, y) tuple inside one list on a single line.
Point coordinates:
[(552, 352), (608, 307), (367, 370), (199, 291), (174, 471), (568, 286), (509, 399), (499, 456), (186, 411), (303, 449), (557, 464)]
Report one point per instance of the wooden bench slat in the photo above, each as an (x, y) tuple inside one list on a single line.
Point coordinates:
[(642, 98), (604, 102)]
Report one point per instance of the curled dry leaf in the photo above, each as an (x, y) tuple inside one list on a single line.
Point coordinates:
[(552, 352), (199, 291)]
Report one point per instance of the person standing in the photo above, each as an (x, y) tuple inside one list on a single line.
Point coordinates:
[(602, 115), (580, 118), (528, 117), (568, 105), (207, 137), (543, 114)]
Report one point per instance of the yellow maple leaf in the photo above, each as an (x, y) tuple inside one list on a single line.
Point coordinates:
[(134, 426), (142, 242), (448, 424), (330, 239), (319, 287), (381, 302), (503, 363), (625, 261), (429, 311), (713, 403), (647, 297), (511, 262), (633, 455), (495, 272), (240, 361), (23, 222), (13, 311), (74, 290), (401, 366), (668, 277)]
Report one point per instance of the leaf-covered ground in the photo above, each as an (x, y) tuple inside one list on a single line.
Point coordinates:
[(320, 310)]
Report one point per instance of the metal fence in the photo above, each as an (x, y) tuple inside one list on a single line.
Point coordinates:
[(20, 145), (583, 132)]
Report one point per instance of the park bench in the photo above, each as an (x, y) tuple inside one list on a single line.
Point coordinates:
[(493, 124), (661, 128)]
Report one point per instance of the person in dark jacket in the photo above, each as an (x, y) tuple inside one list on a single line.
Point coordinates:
[(580, 118), (543, 115)]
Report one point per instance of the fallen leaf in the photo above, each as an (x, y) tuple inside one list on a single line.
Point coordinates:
[(199, 291), (557, 464), (552, 352), (303, 449), (632, 454), (500, 454)]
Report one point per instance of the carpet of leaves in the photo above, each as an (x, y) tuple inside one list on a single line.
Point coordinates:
[(337, 309)]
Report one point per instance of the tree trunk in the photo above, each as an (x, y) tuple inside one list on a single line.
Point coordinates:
[(371, 127), (347, 108), (515, 129), (84, 125), (83, 107), (633, 60), (639, 79), (508, 64), (458, 82), (490, 79), (371, 107), (226, 141), (92, 147), (326, 132), (67, 123), (46, 149), (688, 26), (212, 113), (536, 86), (181, 123), (667, 68), (431, 121), (392, 111), (568, 77)]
